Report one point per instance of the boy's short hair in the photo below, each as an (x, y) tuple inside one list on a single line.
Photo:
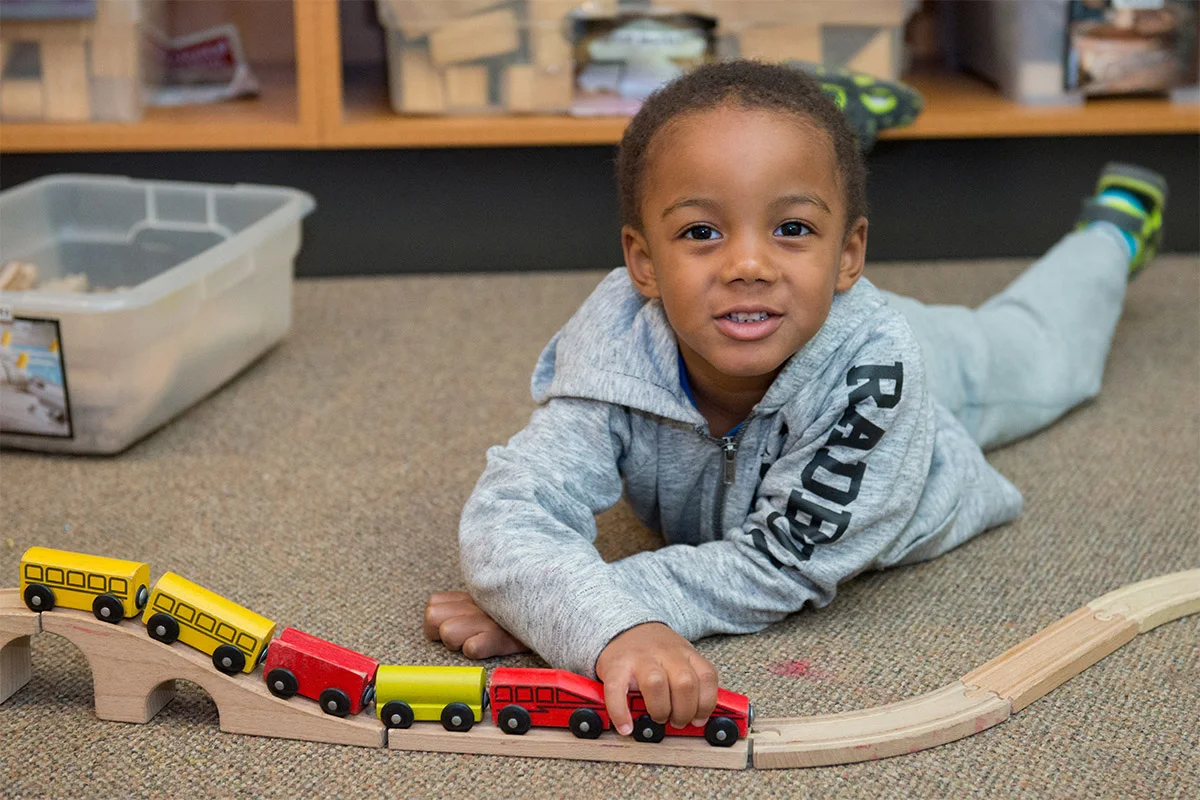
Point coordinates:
[(751, 85)]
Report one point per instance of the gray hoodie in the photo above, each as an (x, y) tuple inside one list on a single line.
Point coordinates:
[(846, 464)]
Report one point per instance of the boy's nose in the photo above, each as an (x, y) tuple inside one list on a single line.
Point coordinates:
[(749, 260)]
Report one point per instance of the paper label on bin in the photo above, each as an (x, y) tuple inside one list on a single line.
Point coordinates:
[(33, 377)]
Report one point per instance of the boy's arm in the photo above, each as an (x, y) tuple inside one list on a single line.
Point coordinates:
[(527, 532), (826, 510)]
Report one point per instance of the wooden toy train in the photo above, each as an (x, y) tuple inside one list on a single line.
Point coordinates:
[(341, 680)]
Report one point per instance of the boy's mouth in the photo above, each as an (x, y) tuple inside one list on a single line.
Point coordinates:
[(748, 326)]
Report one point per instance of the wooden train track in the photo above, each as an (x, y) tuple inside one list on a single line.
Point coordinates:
[(134, 678)]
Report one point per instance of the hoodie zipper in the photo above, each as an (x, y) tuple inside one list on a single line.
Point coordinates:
[(729, 448)]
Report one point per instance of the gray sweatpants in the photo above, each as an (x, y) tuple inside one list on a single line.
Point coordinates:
[(1035, 350)]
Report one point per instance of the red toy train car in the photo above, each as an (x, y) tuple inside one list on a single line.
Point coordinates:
[(340, 679), (522, 698)]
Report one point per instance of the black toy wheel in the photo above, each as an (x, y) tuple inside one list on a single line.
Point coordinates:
[(457, 717), (228, 659), (335, 702), (397, 714), (514, 719), (282, 683), (721, 732), (646, 729), (107, 608), (586, 723), (140, 598), (38, 597), (368, 695), (163, 628)]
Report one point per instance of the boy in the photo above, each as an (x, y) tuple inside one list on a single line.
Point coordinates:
[(781, 421)]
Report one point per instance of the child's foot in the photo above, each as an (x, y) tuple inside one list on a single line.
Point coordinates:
[(1132, 199)]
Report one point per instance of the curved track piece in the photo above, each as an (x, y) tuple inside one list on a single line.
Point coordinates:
[(985, 696)]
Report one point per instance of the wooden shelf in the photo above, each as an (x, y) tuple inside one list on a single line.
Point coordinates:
[(963, 107), (269, 121), (313, 106), (956, 106)]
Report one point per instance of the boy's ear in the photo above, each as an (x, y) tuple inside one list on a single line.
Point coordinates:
[(638, 262), (854, 256)]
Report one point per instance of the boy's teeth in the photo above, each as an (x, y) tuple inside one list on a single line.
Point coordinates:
[(738, 316)]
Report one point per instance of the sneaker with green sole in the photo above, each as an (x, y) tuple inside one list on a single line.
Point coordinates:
[(1143, 224)]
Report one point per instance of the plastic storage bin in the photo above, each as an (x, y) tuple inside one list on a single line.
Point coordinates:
[(94, 67), (208, 271), (481, 56)]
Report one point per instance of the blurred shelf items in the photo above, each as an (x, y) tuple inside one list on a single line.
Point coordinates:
[(111, 75)]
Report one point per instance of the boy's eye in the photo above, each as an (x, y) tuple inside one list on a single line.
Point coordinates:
[(701, 233), (793, 228)]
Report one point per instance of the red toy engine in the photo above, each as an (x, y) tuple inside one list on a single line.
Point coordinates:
[(521, 698), (340, 679)]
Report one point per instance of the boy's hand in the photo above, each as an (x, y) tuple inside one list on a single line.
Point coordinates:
[(678, 684), (455, 620)]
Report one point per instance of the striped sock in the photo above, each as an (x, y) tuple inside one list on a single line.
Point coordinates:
[(1126, 201)]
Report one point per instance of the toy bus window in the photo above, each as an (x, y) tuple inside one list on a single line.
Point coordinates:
[(247, 642), (205, 622), (164, 603), (185, 612), (119, 586), (503, 694), (97, 583), (54, 575), (525, 694), (33, 572), (75, 579), (226, 632), (545, 694), (570, 698)]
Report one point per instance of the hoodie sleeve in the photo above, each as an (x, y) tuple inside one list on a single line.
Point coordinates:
[(527, 532), (838, 498)]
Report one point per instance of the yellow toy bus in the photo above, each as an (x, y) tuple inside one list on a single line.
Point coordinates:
[(110, 588), (235, 637), (454, 695)]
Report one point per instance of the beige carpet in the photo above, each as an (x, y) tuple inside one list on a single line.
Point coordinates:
[(322, 488)]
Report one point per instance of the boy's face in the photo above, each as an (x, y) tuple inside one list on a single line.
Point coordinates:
[(742, 238)]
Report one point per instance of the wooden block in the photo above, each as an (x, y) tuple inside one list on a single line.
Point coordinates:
[(933, 719), (115, 41), (134, 678), (1051, 657), (68, 31), (736, 15), (517, 88), (416, 18), (550, 46), (22, 98), (491, 34), (421, 90), (76, 283), (553, 89), (17, 276), (556, 11), (781, 43), (65, 81), (115, 99), (876, 57), (467, 86), (17, 624), (1149, 604), (486, 739)]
